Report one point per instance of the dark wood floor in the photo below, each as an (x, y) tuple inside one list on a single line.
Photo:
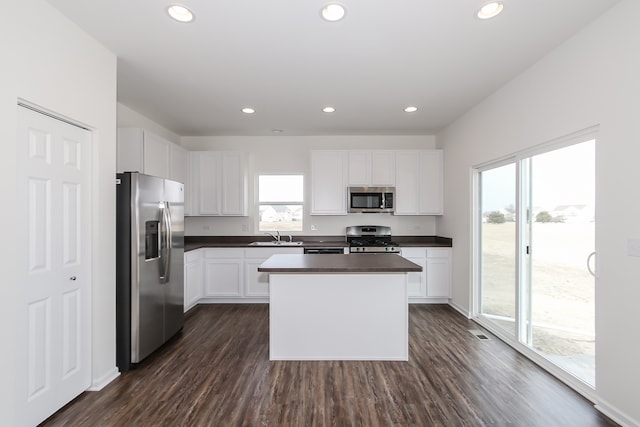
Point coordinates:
[(217, 373)]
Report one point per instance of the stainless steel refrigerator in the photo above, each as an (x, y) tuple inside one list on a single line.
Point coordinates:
[(149, 265)]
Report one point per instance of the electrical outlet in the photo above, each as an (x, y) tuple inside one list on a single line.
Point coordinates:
[(314, 227), (206, 227), (245, 227)]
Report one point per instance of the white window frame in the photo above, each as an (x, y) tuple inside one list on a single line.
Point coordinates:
[(258, 203)]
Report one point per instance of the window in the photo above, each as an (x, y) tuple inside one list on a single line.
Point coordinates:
[(280, 202)]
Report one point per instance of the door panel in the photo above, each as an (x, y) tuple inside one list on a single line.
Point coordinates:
[(147, 294), (174, 287), (561, 290), (498, 246), (54, 294)]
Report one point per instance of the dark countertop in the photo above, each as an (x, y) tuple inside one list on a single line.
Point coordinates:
[(197, 242), (335, 263)]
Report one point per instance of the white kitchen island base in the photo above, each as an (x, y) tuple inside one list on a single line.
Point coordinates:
[(334, 316)]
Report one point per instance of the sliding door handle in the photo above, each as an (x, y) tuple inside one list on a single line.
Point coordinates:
[(591, 271)]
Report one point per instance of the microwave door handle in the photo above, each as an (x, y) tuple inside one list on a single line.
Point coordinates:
[(384, 203)]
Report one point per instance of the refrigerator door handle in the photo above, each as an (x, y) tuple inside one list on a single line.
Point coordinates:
[(166, 246)]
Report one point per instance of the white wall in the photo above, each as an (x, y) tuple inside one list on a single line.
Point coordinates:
[(130, 118), (592, 79), (291, 154), (48, 61)]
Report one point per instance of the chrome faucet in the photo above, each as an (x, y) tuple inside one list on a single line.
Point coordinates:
[(276, 236)]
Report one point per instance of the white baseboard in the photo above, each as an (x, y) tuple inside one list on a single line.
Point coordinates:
[(252, 300), (99, 383), (460, 310), (616, 415)]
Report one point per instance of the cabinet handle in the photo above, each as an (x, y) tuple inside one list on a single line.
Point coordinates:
[(72, 278)]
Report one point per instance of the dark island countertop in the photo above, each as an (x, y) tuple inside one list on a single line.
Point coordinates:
[(336, 263), (198, 242)]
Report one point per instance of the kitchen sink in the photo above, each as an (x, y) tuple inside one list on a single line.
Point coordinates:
[(275, 243)]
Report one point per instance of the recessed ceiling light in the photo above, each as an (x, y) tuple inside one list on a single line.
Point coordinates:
[(411, 109), (180, 13), (248, 110), (490, 10), (333, 12), (328, 109)]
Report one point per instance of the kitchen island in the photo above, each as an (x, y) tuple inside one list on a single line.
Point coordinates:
[(338, 307)]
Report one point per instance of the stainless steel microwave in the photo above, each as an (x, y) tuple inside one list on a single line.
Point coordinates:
[(371, 199)]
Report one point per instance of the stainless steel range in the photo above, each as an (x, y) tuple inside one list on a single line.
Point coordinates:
[(371, 239)]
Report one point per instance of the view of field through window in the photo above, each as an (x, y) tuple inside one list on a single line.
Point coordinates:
[(280, 202), (557, 303)]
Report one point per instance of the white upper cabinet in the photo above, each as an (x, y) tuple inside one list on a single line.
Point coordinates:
[(139, 150), (219, 183), (328, 182), (419, 186), (372, 168), (179, 170)]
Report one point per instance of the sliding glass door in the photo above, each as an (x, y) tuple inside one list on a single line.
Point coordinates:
[(535, 243), (498, 246), (561, 291)]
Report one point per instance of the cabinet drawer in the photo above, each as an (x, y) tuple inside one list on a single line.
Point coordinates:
[(224, 253), (438, 252), (413, 252), (267, 252)]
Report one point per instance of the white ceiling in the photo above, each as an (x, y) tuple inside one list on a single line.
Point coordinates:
[(282, 59)]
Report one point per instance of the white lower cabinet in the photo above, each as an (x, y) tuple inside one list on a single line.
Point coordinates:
[(434, 282), (231, 274), (192, 278), (223, 272), (439, 272), (417, 281), (257, 283), (228, 274)]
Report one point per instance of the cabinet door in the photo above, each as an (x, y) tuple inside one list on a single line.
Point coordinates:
[(439, 272), (223, 277), (360, 168), (207, 173), (328, 182), (416, 281), (257, 283), (383, 169), (129, 150), (180, 171), (193, 279), (234, 184), (407, 184), (156, 155), (431, 185)]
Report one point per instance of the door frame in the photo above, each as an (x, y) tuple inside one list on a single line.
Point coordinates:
[(88, 251), (476, 240)]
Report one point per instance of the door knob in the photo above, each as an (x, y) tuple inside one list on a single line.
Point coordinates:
[(72, 278)]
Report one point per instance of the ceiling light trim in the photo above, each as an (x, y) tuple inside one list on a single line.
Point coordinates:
[(333, 12), (180, 13), (490, 10)]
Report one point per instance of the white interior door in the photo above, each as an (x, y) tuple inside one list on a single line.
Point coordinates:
[(54, 293)]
